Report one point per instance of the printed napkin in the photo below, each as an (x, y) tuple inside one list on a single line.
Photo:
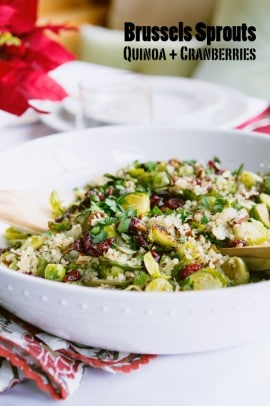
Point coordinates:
[(55, 364)]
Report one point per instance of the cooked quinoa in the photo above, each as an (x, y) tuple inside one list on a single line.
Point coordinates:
[(153, 226)]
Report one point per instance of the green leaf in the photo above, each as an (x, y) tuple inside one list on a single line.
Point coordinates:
[(112, 177), (238, 171), (267, 187), (190, 161), (131, 212), (184, 215), (112, 204), (58, 227), (204, 220), (96, 230), (141, 279), (150, 166), (156, 211), (123, 225), (205, 203), (219, 205), (99, 237)]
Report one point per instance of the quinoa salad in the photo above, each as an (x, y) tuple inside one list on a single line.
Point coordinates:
[(152, 226)]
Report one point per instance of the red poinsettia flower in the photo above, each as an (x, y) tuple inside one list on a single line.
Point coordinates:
[(26, 57)]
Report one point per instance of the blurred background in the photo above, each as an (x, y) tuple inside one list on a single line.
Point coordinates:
[(99, 38)]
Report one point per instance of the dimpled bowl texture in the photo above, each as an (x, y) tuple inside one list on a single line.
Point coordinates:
[(141, 322)]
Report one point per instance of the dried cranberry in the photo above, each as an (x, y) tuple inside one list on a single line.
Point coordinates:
[(78, 246), (140, 241), (165, 194), (189, 270), (156, 200), (105, 245), (110, 191), (136, 226), (72, 276), (174, 203), (86, 246), (155, 255), (134, 222), (100, 196), (214, 165), (87, 199), (237, 243)]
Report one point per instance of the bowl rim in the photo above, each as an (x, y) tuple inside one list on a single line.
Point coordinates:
[(148, 127)]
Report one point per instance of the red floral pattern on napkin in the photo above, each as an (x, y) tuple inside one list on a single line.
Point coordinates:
[(55, 364)]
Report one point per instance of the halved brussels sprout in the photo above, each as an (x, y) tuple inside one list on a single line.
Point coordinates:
[(138, 201), (41, 266), (236, 270), (253, 232), (55, 272), (156, 180), (189, 250), (206, 278), (152, 266), (159, 285), (250, 178), (64, 225), (56, 204), (260, 212), (114, 271), (264, 198), (159, 235), (12, 233), (35, 241), (136, 172), (160, 179)]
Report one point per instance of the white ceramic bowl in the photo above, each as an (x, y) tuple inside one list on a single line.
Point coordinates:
[(133, 321)]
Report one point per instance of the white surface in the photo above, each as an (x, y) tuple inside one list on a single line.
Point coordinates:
[(175, 100), (137, 321), (14, 135), (237, 376), (8, 119)]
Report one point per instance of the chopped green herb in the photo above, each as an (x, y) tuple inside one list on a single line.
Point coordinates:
[(238, 171), (141, 279), (150, 166), (124, 225), (99, 237), (204, 220)]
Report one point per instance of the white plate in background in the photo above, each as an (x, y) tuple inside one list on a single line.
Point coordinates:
[(175, 100)]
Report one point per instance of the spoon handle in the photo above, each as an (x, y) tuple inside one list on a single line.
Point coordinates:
[(254, 251), (24, 210)]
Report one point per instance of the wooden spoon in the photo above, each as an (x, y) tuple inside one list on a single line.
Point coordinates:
[(257, 257), (26, 210)]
